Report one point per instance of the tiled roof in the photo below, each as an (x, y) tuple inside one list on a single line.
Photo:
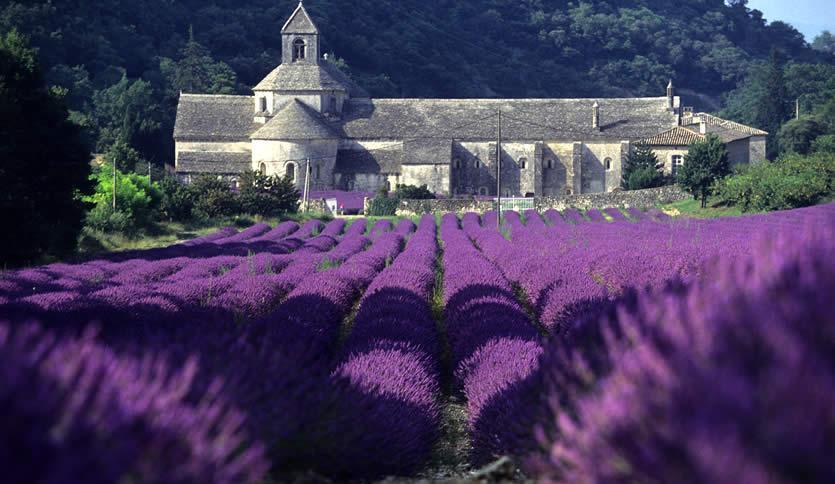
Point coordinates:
[(712, 120), (296, 121), (214, 117), (369, 161), (523, 119), (677, 136), (217, 162)]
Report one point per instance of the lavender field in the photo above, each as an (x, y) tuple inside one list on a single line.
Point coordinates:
[(599, 346)]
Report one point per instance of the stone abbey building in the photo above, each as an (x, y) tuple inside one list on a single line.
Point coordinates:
[(307, 111)]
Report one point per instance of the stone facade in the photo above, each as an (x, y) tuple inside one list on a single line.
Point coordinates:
[(307, 112)]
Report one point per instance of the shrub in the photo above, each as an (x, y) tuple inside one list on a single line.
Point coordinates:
[(383, 206), (177, 201), (412, 192), (267, 195), (213, 197), (791, 182), (137, 199), (104, 219)]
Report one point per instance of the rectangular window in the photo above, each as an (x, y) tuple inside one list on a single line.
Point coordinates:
[(263, 104), (677, 161)]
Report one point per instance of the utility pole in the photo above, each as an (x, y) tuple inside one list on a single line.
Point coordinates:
[(797, 108), (114, 185), (499, 171), (307, 186), (149, 172)]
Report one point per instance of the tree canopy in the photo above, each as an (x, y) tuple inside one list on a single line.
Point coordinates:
[(705, 163), (40, 182)]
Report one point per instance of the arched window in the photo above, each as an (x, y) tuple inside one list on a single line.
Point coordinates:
[(388, 186), (477, 163), (482, 190), (262, 104), (332, 104), (290, 172), (456, 163), (523, 163), (608, 163), (298, 50), (262, 168), (549, 164), (317, 172)]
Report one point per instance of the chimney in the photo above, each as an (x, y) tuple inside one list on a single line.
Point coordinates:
[(670, 96), (595, 116), (702, 126)]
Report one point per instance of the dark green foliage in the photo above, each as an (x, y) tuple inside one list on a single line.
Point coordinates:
[(705, 163), (773, 105), (641, 169), (824, 144), (267, 195), (411, 192), (44, 162), (825, 42), (383, 206), (797, 135), (213, 198), (474, 48), (791, 182), (177, 201), (104, 219), (126, 158)]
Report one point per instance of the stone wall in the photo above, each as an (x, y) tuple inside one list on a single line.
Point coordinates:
[(642, 199)]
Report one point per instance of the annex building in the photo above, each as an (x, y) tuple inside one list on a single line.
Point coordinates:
[(306, 111)]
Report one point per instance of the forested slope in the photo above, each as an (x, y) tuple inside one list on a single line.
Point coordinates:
[(120, 63)]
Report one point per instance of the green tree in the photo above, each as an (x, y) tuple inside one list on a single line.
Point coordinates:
[(267, 195), (824, 42), (44, 162), (641, 169), (137, 200), (705, 162), (772, 106), (824, 144), (797, 135), (198, 72), (177, 201), (126, 158), (126, 111)]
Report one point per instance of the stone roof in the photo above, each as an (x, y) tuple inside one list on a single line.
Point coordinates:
[(369, 161), (215, 162), (677, 136), (427, 152), (214, 117), (296, 121), (523, 119), (299, 23), (305, 76)]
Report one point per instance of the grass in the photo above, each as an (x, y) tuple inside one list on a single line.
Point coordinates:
[(693, 209)]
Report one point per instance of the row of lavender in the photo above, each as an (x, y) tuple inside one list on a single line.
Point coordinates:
[(594, 413), (365, 403), (174, 404)]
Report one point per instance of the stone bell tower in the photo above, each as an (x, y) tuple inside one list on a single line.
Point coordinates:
[(299, 38)]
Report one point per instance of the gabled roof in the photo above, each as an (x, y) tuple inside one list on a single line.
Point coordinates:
[(214, 117), (676, 136), (296, 121), (522, 119), (299, 23)]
